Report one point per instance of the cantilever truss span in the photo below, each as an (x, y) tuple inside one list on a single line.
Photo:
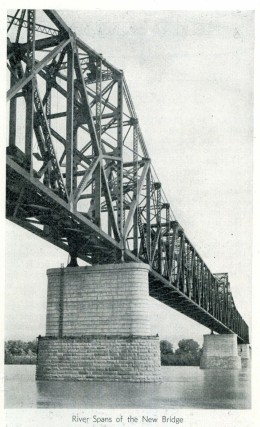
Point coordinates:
[(79, 173)]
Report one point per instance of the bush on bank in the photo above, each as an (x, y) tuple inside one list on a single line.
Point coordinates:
[(18, 352)]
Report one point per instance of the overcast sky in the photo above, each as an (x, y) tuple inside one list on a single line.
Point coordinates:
[(190, 75)]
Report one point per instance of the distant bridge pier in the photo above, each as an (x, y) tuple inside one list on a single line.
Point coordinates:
[(220, 351), (245, 354), (98, 326)]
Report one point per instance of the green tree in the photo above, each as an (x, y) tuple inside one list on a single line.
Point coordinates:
[(15, 347), (166, 347), (188, 353), (31, 346), (167, 355), (188, 346)]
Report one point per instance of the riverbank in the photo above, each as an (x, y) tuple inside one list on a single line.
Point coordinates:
[(21, 360)]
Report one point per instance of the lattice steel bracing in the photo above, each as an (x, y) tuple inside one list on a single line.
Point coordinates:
[(79, 173)]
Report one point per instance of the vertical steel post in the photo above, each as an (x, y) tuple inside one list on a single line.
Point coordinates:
[(188, 269), (75, 146), (174, 226), (208, 290), (202, 284), (148, 214), (135, 194), (30, 87), (180, 262), (12, 113), (46, 179), (192, 274), (212, 294), (69, 124), (97, 173), (217, 300), (228, 303), (197, 280), (226, 298), (120, 206), (182, 265), (168, 239), (157, 186)]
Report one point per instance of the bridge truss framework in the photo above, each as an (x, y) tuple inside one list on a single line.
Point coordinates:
[(79, 173)]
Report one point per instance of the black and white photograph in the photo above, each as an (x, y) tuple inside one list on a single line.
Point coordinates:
[(128, 216)]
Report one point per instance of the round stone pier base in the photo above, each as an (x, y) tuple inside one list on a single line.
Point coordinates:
[(98, 325), (132, 359)]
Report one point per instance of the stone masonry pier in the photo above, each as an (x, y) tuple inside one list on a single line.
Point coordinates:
[(220, 351), (244, 353), (97, 325)]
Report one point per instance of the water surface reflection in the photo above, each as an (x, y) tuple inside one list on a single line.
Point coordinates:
[(181, 387)]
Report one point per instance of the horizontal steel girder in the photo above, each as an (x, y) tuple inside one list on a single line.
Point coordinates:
[(109, 249)]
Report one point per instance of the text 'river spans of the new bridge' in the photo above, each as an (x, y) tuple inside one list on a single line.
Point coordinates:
[(79, 173)]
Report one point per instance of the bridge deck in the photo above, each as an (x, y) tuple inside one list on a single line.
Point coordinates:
[(105, 249)]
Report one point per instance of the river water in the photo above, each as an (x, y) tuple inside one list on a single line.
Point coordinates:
[(181, 387)]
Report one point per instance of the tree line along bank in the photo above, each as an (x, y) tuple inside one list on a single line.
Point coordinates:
[(18, 352)]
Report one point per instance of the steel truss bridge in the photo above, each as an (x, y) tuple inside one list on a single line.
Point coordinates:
[(79, 174)]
